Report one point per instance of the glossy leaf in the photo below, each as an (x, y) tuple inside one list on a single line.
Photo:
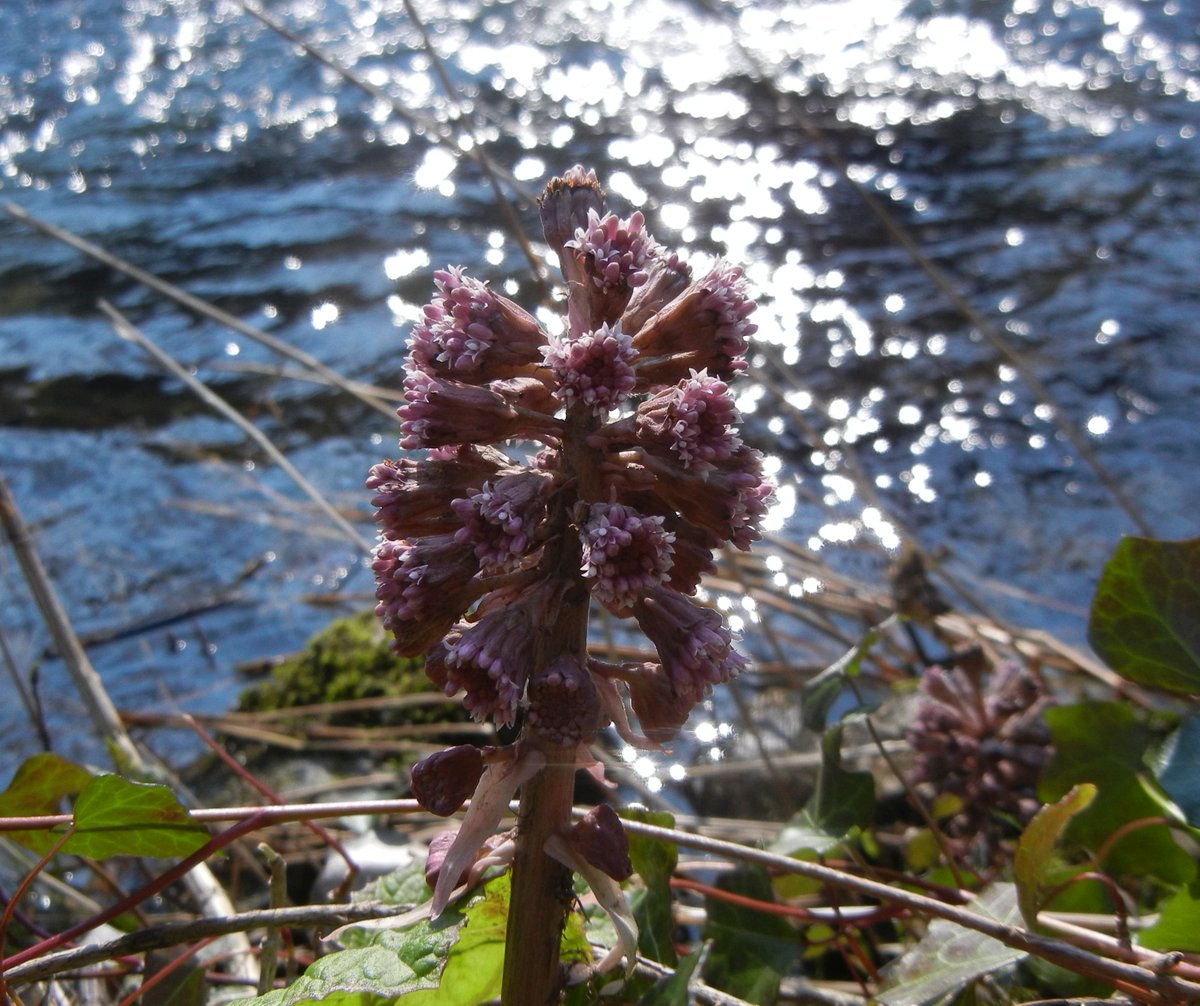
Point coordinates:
[(38, 788), (843, 799), (1178, 923), (1145, 619), (802, 834), (474, 970), (1179, 769), (654, 861), (949, 957), (821, 693), (365, 976), (116, 817), (673, 990), (1103, 743), (404, 886), (751, 950), (1037, 865), (456, 961)]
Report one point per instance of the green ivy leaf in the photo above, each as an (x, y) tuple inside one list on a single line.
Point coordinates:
[(1178, 925), (751, 950), (1178, 767), (1145, 620), (843, 800), (1103, 743), (115, 817), (820, 693), (673, 990), (37, 789), (654, 861), (1037, 865), (948, 957)]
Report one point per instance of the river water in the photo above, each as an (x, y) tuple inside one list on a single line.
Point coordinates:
[(1042, 155)]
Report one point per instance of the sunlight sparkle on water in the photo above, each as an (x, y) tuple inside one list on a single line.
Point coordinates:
[(435, 170), (404, 262), (324, 315)]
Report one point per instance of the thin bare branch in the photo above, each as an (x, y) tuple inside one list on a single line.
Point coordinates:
[(127, 330), (174, 933), (198, 306)]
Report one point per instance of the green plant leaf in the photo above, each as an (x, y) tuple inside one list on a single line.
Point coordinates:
[(403, 886), (1178, 769), (751, 950), (115, 817), (673, 990), (802, 834), (654, 861), (365, 976), (474, 970), (1103, 743), (948, 957), (820, 693), (456, 961), (38, 788), (1145, 619), (1178, 925), (843, 800), (1037, 865)]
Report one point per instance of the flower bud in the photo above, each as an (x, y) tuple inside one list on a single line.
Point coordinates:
[(599, 837), (503, 521), (705, 328), (565, 206), (564, 706), (444, 780), (593, 368), (624, 554), (692, 421), (472, 334)]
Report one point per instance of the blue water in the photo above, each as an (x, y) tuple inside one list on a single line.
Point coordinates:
[(1044, 155)]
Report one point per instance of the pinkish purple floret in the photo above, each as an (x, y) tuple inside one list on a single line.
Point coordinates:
[(725, 294), (468, 328), (619, 249), (437, 413), (624, 554), (696, 420), (593, 368), (503, 519), (490, 657), (410, 575), (693, 643)]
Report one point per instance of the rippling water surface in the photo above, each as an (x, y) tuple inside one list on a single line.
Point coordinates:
[(1043, 156)]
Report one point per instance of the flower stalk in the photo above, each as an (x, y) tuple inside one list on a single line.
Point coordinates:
[(599, 465)]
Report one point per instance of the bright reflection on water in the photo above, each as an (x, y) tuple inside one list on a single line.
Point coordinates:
[(1041, 152)]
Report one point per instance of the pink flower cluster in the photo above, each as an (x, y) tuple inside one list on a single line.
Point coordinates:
[(602, 463)]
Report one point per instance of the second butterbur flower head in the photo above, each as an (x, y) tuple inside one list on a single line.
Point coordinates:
[(602, 463)]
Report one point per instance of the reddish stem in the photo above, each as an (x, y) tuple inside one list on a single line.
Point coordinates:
[(215, 844)]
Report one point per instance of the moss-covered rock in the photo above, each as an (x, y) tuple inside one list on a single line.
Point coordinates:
[(350, 660)]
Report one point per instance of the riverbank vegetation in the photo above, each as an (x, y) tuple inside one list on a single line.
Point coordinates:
[(905, 798)]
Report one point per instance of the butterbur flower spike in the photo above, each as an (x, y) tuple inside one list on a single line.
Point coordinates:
[(599, 465)]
